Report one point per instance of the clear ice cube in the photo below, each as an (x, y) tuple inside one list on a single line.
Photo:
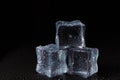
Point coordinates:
[(69, 54), (82, 61), (70, 34), (51, 61)]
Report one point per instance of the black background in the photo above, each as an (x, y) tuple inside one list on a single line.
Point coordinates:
[(22, 29)]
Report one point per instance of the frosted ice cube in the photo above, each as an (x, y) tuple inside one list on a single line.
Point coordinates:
[(70, 34), (83, 61), (51, 61)]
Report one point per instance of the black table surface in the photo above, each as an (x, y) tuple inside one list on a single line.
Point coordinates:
[(20, 64)]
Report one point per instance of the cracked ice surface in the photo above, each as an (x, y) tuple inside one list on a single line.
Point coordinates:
[(50, 60), (82, 61), (70, 34)]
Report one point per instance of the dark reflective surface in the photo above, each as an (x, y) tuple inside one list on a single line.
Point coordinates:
[(35, 76), (20, 64)]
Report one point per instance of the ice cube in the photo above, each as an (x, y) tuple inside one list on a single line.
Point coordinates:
[(70, 34), (82, 61), (51, 61)]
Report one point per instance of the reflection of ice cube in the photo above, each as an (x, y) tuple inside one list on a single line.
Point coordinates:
[(70, 34), (51, 61), (83, 61)]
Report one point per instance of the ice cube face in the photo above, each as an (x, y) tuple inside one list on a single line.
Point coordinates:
[(82, 61), (51, 61), (70, 34)]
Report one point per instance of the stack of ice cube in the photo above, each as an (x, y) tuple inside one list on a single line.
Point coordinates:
[(69, 54)]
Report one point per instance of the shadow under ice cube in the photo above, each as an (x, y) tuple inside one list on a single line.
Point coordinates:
[(82, 61), (70, 34), (51, 61)]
